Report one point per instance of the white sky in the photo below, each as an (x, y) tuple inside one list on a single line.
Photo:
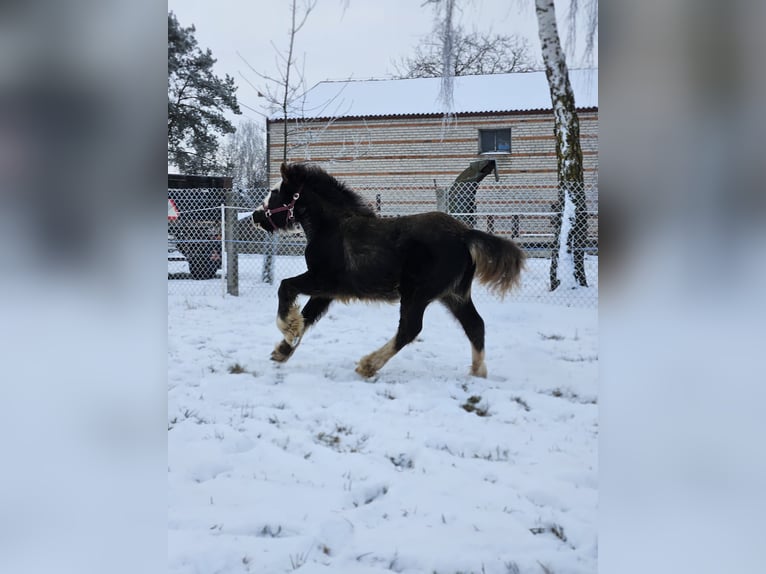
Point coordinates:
[(341, 39)]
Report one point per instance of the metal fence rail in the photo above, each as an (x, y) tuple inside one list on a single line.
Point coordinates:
[(217, 249)]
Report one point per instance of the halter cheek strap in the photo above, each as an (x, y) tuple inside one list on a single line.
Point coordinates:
[(289, 208)]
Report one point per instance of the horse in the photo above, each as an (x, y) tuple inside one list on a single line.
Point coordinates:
[(352, 254)]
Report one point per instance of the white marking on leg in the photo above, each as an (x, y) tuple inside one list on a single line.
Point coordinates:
[(372, 363), (292, 327), (478, 368)]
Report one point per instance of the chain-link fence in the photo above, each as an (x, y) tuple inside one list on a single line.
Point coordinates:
[(214, 249)]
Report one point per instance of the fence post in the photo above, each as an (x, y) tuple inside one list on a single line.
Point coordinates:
[(223, 247), (230, 235), (270, 249), (441, 199)]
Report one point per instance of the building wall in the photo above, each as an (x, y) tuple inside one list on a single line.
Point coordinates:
[(420, 150)]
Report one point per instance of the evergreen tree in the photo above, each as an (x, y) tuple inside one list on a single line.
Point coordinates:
[(197, 100)]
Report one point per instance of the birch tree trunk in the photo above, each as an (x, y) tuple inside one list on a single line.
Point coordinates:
[(567, 258)]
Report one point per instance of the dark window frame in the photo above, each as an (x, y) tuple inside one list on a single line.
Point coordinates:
[(494, 131)]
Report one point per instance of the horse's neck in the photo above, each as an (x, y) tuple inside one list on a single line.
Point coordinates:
[(317, 217), (323, 215)]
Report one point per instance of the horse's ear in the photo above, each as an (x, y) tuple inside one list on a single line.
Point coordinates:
[(283, 171)]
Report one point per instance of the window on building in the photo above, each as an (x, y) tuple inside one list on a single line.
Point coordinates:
[(495, 141)]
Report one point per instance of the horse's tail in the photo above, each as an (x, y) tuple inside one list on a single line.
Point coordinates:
[(498, 261)]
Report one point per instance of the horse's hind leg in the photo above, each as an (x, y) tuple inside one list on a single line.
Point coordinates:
[(410, 324), (473, 325)]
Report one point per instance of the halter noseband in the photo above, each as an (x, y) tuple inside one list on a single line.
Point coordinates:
[(289, 208)]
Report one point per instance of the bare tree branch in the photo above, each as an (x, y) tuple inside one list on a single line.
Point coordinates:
[(243, 156), (591, 28), (473, 53)]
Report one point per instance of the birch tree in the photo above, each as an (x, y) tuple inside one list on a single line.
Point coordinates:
[(567, 260)]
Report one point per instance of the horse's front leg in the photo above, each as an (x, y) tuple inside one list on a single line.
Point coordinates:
[(290, 320)]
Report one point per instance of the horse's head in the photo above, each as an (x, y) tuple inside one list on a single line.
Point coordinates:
[(278, 210), (304, 185)]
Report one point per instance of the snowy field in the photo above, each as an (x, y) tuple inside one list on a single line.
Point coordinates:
[(307, 467)]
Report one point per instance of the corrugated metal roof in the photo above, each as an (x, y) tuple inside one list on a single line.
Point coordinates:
[(420, 96)]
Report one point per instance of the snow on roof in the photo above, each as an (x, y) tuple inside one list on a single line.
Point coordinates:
[(419, 96)]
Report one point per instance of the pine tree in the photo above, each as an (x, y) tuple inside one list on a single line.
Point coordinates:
[(197, 101)]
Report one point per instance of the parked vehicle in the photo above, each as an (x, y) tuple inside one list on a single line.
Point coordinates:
[(194, 222)]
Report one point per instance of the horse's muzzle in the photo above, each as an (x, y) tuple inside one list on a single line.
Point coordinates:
[(259, 218)]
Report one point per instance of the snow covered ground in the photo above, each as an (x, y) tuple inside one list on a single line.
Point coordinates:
[(305, 466)]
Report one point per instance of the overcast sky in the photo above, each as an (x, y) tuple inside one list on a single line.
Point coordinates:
[(341, 39)]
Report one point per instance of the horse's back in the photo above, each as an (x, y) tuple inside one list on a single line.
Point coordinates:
[(433, 222), (435, 254), (426, 252), (435, 230)]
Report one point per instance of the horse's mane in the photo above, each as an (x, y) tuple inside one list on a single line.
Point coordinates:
[(330, 189)]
